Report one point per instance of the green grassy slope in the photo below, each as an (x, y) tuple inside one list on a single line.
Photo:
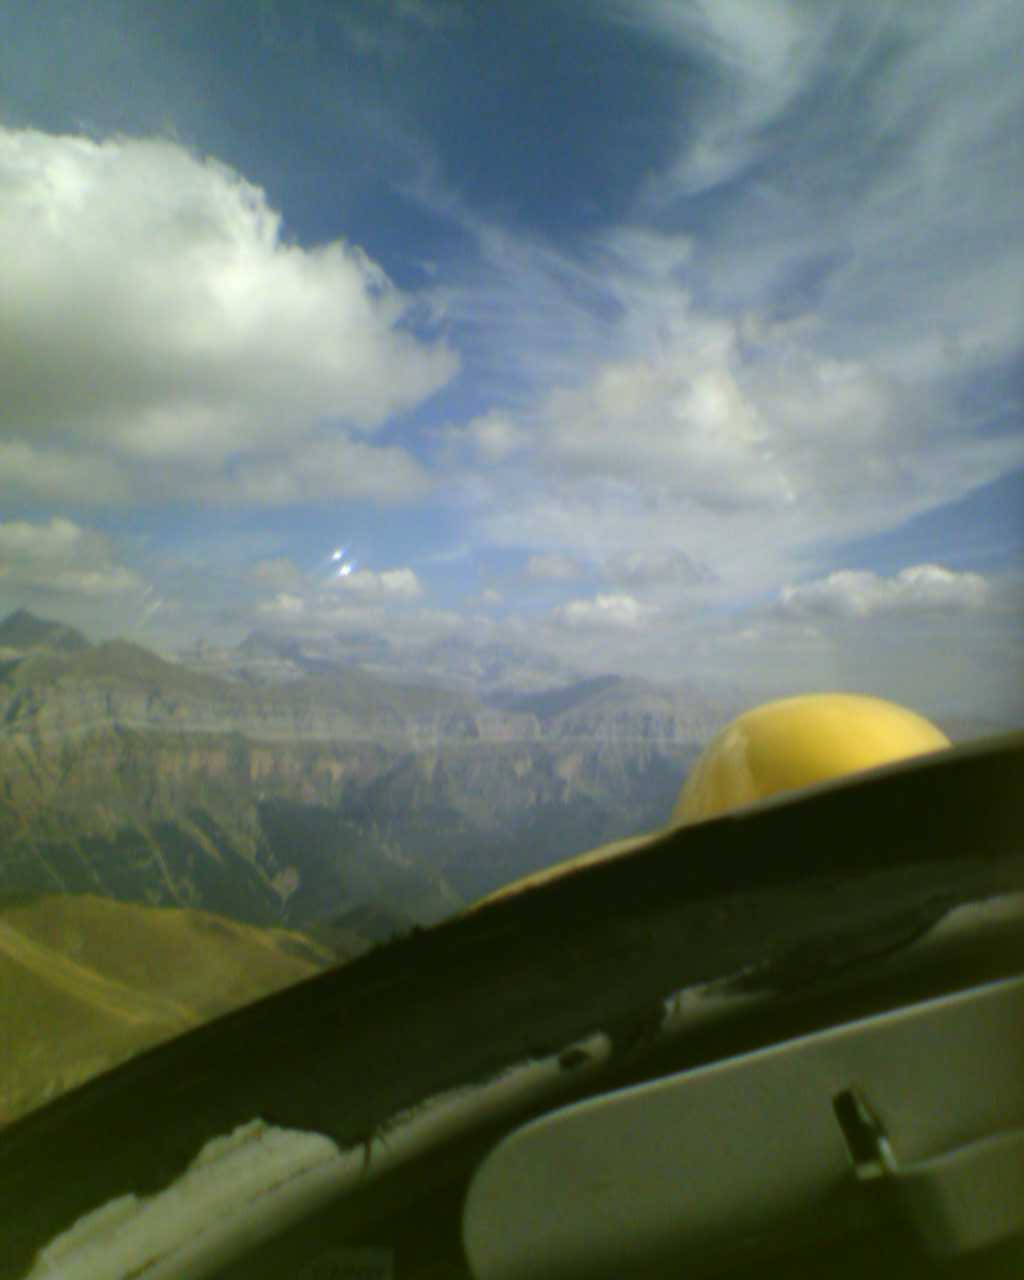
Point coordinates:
[(86, 982)]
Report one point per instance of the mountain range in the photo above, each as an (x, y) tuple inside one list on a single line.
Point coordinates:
[(459, 664), (296, 800)]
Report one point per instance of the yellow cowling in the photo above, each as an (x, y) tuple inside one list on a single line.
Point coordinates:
[(774, 748), (797, 742)]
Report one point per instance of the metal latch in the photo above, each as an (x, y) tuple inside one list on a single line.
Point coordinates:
[(966, 1199)]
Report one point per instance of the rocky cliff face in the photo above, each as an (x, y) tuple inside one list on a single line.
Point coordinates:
[(126, 775)]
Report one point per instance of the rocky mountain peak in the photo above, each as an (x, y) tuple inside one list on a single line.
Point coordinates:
[(23, 632)]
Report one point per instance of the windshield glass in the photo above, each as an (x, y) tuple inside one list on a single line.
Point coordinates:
[(424, 425)]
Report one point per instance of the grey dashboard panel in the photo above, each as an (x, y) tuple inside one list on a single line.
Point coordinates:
[(689, 1167)]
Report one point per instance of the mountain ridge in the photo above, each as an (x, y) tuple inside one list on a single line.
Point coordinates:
[(298, 802), (123, 682), (23, 631), (140, 689)]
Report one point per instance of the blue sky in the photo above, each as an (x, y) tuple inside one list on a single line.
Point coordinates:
[(676, 338)]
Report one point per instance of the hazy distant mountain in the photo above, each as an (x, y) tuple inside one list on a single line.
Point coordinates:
[(623, 709), (262, 656), (123, 684), (549, 703), (259, 660), (456, 664), (119, 682), (144, 780), (262, 644), (486, 670), (23, 632)]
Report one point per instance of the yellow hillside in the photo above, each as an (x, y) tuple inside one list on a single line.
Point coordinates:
[(86, 982)]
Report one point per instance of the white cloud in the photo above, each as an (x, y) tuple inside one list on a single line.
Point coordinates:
[(61, 557), (154, 314), (49, 474), (337, 468), (893, 250), (702, 419), (643, 567), (387, 620), (389, 584), (739, 439), (604, 612), (552, 567), (677, 417), (927, 173), (859, 593), (762, 54), (278, 571), (351, 600), (490, 438), (284, 605), (41, 543)]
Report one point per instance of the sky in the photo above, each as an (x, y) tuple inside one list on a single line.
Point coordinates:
[(680, 338)]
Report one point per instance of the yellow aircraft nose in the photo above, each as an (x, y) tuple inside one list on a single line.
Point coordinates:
[(796, 742)]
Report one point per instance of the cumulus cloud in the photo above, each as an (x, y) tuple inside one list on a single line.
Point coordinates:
[(61, 557), (49, 474), (384, 621), (643, 567), (337, 468), (353, 601), (859, 593), (490, 438), (154, 312), (277, 572), (707, 419), (677, 417), (389, 584), (552, 567), (284, 605), (604, 612)]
